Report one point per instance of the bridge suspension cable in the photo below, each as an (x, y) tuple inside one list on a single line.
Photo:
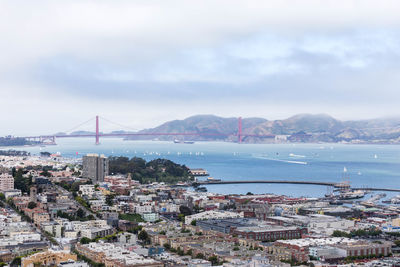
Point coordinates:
[(79, 125), (118, 124)]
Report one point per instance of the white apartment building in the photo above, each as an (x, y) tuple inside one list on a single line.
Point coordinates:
[(12, 193), (324, 224), (142, 209), (150, 217), (116, 255), (87, 190), (27, 237), (212, 215)]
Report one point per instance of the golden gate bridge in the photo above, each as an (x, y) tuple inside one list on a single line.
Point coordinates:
[(51, 139)]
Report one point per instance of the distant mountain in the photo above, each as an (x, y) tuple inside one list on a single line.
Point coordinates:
[(299, 128), (212, 127), (82, 133)]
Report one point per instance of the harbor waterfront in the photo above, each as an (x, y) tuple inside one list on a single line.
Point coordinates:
[(366, 165)]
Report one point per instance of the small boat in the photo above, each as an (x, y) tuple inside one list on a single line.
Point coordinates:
[(211, 179), (201, 189)]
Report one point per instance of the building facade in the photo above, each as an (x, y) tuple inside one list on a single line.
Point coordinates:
[(6, 182), (49, 257), (95, 167)]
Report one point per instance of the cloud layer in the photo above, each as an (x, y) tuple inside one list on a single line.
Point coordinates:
[(143, 62)]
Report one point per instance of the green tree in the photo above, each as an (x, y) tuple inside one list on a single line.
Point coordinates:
[(20, 182), (143, 235), (80, 213), (194, 222), (32, 205), (185, 210), (338, 233), (16, 261), (181, 217), (109, 199), (160, 170), (180, 252), (200, 256), (85, 240), (45, 173), (213, 259)]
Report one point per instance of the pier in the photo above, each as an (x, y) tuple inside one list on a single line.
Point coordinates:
[(340, 186), (266, 182)]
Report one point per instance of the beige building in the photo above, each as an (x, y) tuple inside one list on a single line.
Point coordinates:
[(115, 256), (396, 222), (49, 257), (41, 217), (6, 182)]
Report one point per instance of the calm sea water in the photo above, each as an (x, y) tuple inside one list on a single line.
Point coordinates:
[(367, 165)]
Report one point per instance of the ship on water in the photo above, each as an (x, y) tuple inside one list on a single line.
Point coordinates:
[(352, 194), (201, 189), (346, 193), (176, 141), (212, 179)]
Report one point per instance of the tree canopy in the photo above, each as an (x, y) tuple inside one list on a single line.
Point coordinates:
[(158, 170)]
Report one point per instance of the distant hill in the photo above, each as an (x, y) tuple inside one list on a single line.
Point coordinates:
[(212, 126), (299, 128)]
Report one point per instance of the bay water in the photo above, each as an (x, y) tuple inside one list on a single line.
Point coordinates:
[(366, 165)]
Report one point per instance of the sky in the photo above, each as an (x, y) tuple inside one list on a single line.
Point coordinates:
[(144, 62)]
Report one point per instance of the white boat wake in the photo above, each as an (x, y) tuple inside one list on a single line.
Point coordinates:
[(282, 160), (296, 156)]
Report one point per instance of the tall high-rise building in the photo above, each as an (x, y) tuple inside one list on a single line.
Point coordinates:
[(6, 182), (95, 167)]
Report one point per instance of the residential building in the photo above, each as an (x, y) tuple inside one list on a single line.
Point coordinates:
[(87, 190), (49, 257), (366, 248), (150, 217), (12, 193), (95, 167), (327, 253), (269, 233), (6, 182), (41, 217), (113, 255), (72, 263), (212, 215)]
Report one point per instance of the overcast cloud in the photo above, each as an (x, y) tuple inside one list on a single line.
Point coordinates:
[(141, 63)]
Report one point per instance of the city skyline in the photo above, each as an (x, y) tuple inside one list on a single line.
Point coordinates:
[(145, 63)]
